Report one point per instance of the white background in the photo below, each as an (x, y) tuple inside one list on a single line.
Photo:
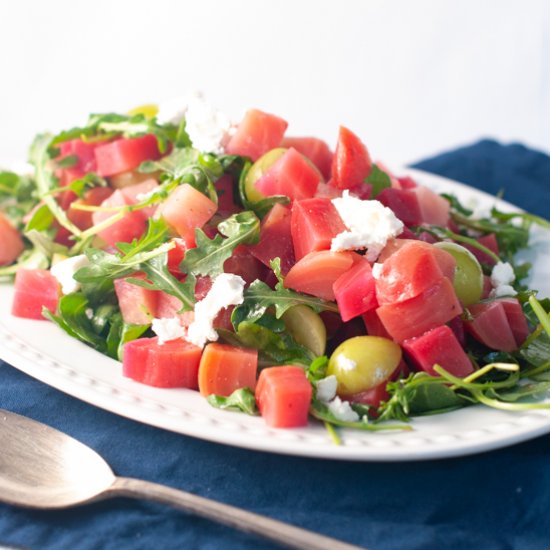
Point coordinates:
[(412, 78)]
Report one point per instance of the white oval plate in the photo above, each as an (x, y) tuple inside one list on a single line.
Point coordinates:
[(43, 351)]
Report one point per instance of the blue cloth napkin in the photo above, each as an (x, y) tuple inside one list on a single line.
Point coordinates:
[(497, 500)]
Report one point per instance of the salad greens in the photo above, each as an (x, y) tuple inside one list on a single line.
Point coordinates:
[(504, 380)]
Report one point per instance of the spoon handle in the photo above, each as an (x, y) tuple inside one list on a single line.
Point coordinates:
[(282, 533)]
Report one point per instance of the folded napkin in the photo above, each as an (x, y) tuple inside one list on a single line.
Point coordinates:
[(496, 500)]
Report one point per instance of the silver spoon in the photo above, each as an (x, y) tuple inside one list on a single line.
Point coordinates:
[(41, 467)]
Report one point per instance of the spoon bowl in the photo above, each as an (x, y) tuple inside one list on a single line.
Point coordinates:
[(41, 467)]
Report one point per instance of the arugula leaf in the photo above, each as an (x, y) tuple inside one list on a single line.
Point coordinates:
[(46, 181), (188, 165), (259, 297), (378, 179), (160, 278), (317, 370), (104, 265), (89, 181), (321, 411), (45, 244), (511, 237), (68, 161), (74, 320), (275, 346), (241, 400), (210, 254), (41, 219), (120, 333), (30, 259)]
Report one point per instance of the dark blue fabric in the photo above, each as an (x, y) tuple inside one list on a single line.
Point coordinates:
[(497, 500)]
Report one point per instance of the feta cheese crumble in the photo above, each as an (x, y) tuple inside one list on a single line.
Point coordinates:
[(342, 410), (167, 328), (227, 290), (370, 224), (208, 128), (64, 272), (502, 277), (326, 388), (377, 270)]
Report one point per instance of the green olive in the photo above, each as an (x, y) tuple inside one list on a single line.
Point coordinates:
[(307, 328), (468, 278), (363, 362), (257, 170)]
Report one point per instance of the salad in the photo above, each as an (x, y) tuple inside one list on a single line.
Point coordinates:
[(271, 273)]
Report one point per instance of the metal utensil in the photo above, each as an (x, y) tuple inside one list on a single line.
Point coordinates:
[(41, 467)]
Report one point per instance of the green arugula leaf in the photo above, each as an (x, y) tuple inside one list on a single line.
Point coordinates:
[(30, 259), (321, 411), (41, 219), (259, 297), (104, 265), (159, 278), (378, 179), (188, 165), (120, 333), (46, 181), (210, 254), (68, 161), (268, 335), (241, 400), (317, 370), (73, 318)]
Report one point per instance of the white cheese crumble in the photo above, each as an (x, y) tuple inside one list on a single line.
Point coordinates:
[(502, 290), (326, 388), (227, 290), (64, 272), (377, 270), (370, 224), (345, 363), (502, 277), (167, 328), (502, 274), (208, 128), (342, 410)]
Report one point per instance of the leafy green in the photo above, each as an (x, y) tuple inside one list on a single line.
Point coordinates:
[(105, 265), (159, 278), (29, 259), (105, 126), (46, 181), (74, 320), (120, 333), (259, 297), (241, 400), (41, 219), (317, 369), (320, 410), (496, 385), (510, 237), (378, 179), (146, 255), (68, 161), (208, 257), (274, 344), (188, 165)]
